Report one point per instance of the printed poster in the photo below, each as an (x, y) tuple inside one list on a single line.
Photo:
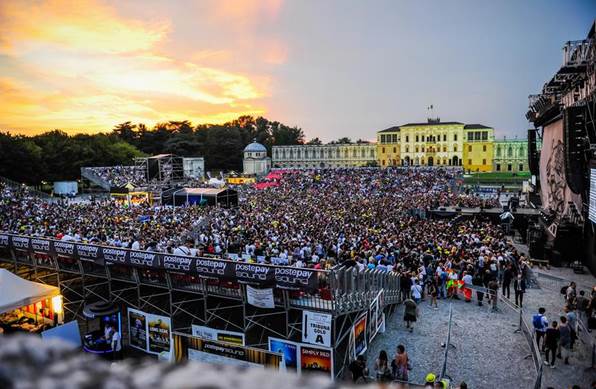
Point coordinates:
[(315, 359), (159, 332), (360, 335), (262, 298), (137, 329), (288, 350)]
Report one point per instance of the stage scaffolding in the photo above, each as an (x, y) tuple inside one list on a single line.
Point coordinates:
[(218, 303)]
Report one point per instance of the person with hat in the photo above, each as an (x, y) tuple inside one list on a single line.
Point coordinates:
[(429, 380)]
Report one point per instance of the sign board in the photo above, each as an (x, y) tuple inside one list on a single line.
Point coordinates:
[(262, 298), (592, 206), (359, 330), (316, 328), (209, 333), (149, 332), (289, 351), (316, 360)]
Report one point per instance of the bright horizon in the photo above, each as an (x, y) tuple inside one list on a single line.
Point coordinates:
[(334, 68)]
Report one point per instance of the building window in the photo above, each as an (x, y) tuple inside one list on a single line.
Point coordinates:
[(416, 148), (372, 153), (469, 162), (510, 152), (509, 167), (383, 150), (498, 167), (470, 136), (394, 138), (394, 150), (484, 135), (423, 138), (484, 148), (354, 153), (444, 149), (521, 167), (417, 139), (455, 137), (382, 138), (363, 153), (444, 137), (383, 162), (407, 149), (454, 147), (407, 138), (477, 135), (469, 147), (498, 151), (484, 161), (423, 149)]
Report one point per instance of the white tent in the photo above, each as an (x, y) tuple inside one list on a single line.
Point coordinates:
[(16, 292)]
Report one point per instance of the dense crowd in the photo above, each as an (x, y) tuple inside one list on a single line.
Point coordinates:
[(335, 215), (118, 176)]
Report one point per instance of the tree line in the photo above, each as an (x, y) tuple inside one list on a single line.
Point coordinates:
[(55, 156)]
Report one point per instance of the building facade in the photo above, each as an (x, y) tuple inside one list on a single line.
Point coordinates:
[(325, 156), (511, 155), (255, 160), (478, 148)]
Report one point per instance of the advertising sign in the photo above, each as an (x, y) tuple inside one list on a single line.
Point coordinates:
[(316, 328), (288, 350), (262, 298), (137, 329), (187, 347), (209, 333), (149, 332), (315, 359), (359, 330)]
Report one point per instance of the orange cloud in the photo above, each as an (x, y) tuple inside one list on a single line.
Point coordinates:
[(84, 67)]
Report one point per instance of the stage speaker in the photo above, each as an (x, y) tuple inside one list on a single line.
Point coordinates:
[(533, 154), (575, 140), (152, 168)]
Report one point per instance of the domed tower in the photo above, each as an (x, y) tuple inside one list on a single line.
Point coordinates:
[(255, 161)]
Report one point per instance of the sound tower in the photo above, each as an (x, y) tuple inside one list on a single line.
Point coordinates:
[(152, 168), (533, 156), (574, 134)]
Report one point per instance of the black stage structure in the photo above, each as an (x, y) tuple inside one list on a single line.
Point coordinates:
[(205, 291), (563, 115)]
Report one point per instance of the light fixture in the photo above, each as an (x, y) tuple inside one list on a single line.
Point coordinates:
[(57, 304)]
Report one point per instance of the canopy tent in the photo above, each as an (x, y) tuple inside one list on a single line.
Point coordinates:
[(210, 196), (18, 292)]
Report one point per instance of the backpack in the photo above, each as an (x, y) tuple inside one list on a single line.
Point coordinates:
[(537, 322), (564, 290)]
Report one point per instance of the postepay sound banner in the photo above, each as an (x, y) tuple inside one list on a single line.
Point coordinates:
[(187, 347)]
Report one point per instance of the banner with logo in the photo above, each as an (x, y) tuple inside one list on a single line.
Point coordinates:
[(188, 347), (316, 360), (262, 298), (316, 328), (209, 333), (149, 332), (261, 275)]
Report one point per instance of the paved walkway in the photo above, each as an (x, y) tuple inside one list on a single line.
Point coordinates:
[(487, 353)]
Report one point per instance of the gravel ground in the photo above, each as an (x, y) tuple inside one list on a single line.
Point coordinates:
[(549, 297), (487, 354)]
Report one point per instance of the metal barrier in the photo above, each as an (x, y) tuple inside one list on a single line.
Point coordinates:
[(447, 344)]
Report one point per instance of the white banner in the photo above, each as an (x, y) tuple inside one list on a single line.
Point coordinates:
[(262, 298), (316, 328), (209, 333)]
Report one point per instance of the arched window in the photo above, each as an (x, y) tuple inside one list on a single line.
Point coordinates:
[(498, 151), (407, 149), (510, 152), (454, 147)]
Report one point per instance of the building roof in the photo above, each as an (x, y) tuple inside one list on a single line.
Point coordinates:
[(468, 126), (255, 147), (391, 129), (430, 124)]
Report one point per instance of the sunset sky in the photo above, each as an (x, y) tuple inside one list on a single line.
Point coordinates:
[(334, 68)]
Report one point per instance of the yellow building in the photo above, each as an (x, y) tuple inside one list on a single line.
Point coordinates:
[(478, 148), (437, 143), (389, 147)]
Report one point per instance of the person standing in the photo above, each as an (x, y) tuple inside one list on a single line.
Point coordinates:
[(410, 313), (432, 292), (477, 281), (540, 324), (358, 369), (416, 292), (565, 343), (520, 288), (507, 278), (401, 364), (382, 368), (552, 342), (116, 344)]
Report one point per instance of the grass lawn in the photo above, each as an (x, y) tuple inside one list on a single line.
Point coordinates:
[(496, 177)]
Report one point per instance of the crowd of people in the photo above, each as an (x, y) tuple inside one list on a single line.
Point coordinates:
[(119, 176)]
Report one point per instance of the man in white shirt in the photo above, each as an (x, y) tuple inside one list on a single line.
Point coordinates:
[(416, 292), (116, 345)]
